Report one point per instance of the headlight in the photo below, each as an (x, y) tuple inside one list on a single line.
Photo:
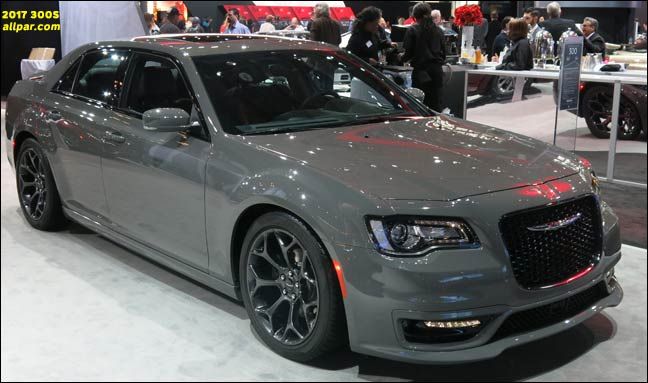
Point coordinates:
[(412, 236)]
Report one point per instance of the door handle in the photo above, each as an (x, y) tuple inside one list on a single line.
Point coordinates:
[(115, 137), (53, 115)]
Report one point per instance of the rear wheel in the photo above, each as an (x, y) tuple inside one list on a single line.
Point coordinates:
[(290, 289), (37, 192), (597, 111)]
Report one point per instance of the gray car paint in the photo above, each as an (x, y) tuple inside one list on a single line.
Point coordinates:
[(177, 199)]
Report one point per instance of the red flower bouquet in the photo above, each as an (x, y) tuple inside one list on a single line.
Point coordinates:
[(468, 15)]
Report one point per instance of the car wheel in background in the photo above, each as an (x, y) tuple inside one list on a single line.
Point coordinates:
[(290, 288), (597, 111)]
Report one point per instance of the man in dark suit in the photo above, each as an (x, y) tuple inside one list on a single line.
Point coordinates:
[(593, 42), (557, 25), (323, 28)]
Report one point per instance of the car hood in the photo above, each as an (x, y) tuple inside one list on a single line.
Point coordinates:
[(432, 158)]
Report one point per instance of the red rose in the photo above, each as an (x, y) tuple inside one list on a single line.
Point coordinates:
[(468, 15)]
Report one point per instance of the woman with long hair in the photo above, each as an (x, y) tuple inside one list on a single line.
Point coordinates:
[(425, 48), (520, 56), (365, 41)]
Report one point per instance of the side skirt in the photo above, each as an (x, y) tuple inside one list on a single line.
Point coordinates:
[(154, 255)]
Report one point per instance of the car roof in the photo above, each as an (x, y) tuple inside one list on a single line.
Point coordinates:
[(203, 44)]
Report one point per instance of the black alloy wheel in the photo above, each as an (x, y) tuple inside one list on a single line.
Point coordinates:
[(31, 184), (37, 192), (597, 111)]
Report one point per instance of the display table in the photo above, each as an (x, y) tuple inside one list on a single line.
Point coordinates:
[(615, 78), (30, 67)]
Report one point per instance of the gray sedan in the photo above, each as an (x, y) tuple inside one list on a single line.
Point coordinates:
[(359, 218)]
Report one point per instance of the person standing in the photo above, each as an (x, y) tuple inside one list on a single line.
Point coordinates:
[(519, 57), (153, 29), (425, 48), (170, 24), (531, 16), (502, 40), (195, 25), (557, 25), (494, 29), (267, 25), (324, 28), (234, 26), (365, 41), (593, 42)]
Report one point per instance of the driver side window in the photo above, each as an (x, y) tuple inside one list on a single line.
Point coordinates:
[(156, 82)]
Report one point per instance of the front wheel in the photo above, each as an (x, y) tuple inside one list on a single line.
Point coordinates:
[(290, 289)]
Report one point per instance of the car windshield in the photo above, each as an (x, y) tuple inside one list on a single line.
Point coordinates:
[(282, 91)]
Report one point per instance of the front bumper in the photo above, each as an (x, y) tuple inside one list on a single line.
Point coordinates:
[(374, 319)]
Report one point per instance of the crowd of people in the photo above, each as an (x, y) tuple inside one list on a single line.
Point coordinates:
[(519, 55), (171, 22), (509, 41)]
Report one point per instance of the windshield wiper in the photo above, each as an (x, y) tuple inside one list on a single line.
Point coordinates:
[(278, 127), (285, 126), (377, 118)]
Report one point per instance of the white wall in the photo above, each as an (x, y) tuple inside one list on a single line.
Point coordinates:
[(88, 21)]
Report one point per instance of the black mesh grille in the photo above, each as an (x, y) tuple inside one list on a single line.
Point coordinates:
[(543, 258), (550, 314)]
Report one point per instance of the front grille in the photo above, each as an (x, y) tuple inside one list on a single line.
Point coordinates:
[(545, 258), (550, 314)]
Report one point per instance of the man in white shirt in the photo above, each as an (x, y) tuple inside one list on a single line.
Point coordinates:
[(267, 26)]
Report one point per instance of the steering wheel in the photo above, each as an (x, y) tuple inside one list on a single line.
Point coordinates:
[(319, 99)]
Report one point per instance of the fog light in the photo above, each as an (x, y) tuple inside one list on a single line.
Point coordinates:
[(453, 324)]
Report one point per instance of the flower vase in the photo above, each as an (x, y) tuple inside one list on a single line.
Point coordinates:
[(467, 33)]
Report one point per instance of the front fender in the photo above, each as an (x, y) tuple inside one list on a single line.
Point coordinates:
[(334, 211)]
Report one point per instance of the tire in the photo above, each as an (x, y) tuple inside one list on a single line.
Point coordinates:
[(37, 193), (597, 111), (503, 87), (261, 247)]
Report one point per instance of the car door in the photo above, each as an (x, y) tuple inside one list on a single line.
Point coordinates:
[(76, 112), (155, 180)]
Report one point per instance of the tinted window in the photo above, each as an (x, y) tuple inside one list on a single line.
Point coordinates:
[(156, 83), (98, 74), (67, 81), (261, 93)]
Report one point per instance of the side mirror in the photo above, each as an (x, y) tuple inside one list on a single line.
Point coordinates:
[(166, 120), (416, 93)]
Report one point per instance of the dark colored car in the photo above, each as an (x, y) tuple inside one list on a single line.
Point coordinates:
[(356, 217)]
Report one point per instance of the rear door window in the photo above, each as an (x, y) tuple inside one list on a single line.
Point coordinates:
[(97, 79)]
